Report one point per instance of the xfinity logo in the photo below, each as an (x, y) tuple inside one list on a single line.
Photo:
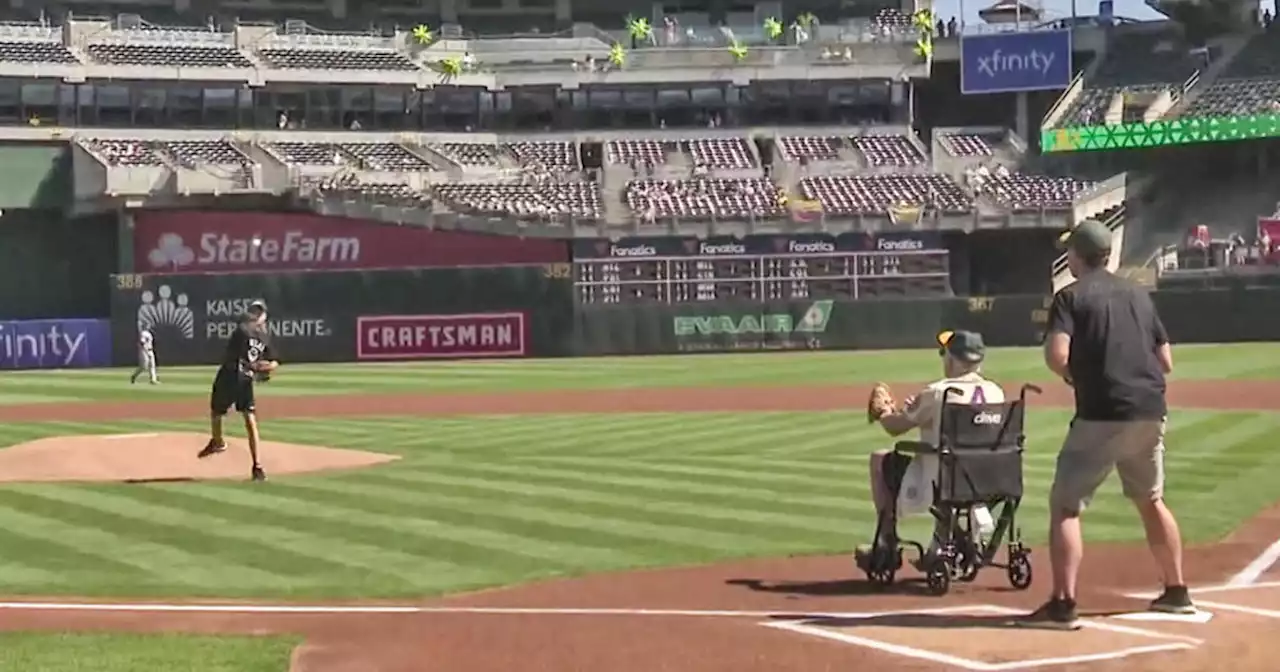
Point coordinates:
[(819, 246), (999, 62), (637, 251), (899, 244), (726, 248), (986, 418)]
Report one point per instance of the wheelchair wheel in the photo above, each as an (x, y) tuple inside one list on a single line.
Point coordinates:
[(1020, 571), (938, 577)]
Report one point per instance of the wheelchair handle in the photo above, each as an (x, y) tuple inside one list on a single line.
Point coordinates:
[(1022, 395)]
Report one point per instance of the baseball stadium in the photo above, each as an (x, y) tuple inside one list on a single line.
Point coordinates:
[(591, 323)]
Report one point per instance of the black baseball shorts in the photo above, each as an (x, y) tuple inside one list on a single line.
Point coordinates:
[(231, 389)]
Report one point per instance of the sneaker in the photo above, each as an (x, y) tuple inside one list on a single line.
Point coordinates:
[(258, 474), (1174, 600), (1056, 614), (212, 448)]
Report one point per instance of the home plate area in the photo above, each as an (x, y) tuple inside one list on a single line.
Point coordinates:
[(1236, 624), (985, 637)]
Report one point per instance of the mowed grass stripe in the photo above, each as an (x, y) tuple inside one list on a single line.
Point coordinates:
[(625, 505), (328, 534), (281, 553), (116, 541), (573, 522)]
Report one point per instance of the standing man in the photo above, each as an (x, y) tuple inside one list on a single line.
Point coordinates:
[(146, 357), (249, 357), (1105, 339)]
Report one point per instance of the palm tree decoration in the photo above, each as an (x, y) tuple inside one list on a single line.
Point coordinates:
[(450, 67), (617, 56), (422, 34), (640, 29), (924, 47), (739, 51), (924, 21), (773, 28), (806, 20)]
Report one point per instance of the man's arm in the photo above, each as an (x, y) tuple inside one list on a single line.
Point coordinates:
[(897, 424), (1057, 339), (1164, 352)]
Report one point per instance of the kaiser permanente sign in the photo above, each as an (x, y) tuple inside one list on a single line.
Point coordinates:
[(737, 329)]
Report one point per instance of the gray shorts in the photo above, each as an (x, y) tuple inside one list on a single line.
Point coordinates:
[(1134, 448)]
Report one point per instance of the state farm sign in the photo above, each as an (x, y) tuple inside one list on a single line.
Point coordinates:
[(441, 336), (219, 242)]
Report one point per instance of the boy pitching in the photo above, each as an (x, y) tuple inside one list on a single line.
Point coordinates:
[(146, 357), (249, 357)]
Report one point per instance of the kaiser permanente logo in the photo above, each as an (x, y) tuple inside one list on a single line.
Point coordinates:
[(813, 321)]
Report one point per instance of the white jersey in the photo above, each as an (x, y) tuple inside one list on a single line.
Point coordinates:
[(145, 341), (916, 495)]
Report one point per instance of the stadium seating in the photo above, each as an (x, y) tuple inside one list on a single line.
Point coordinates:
[(887, 150), (385, 156), (639, 151), (124, 152), (467, 154), (307, 153), (23, 51), (555, 155), (537, 201), (1249, 85), (809, 148), (168, 55), (731, 153), (876, 194), (1139, 63), (337, 59), (192, 153), (702, 199), (1022, 192), (966, 145)]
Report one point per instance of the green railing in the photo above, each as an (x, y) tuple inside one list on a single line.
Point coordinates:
[(1159, 133)]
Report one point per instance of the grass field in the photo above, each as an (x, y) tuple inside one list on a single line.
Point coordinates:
[(65, 652), (495, 500)]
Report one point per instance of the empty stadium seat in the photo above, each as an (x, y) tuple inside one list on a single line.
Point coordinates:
[(704, 198), (536, 201), (809, 148), (337, 59), (966, 145), (887, 150), (876, 194), (23, 51), (168, 55)]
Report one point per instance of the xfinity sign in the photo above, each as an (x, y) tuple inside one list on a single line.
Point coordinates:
[(1035, 60)]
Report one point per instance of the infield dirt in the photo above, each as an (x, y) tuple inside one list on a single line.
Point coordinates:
[(558, 631)]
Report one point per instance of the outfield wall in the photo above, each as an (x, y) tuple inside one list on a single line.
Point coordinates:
[(507, 311), (530, 311)]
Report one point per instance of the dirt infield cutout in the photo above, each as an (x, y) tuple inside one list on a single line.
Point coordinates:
[(164, 457), (990, 639)]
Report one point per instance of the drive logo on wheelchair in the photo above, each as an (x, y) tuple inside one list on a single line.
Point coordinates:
[(987, 419)]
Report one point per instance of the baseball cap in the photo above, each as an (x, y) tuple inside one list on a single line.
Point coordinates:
[(258, 305), (966, 346), (1089, 237)]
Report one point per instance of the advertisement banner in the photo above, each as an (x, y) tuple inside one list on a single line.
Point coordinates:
[(1011, 62), (55, 344), (634, 248), (441, 336), (768, 327), (223, 242), (721, 246)]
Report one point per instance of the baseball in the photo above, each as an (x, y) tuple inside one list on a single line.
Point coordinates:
[(256, 241)]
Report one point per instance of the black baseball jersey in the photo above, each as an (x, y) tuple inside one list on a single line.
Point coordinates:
[(249, 343)]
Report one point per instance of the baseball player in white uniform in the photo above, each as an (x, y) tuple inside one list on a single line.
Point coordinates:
[(146, 357)]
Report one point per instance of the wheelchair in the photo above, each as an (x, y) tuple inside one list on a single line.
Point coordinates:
[(980, 463)]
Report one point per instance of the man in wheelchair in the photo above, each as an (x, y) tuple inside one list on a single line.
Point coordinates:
[(903, 479)]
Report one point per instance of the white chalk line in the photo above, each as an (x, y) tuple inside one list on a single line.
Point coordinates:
[(1254, 570), (391, 609), (1180, 643), (1203, 590), (1240, 608)]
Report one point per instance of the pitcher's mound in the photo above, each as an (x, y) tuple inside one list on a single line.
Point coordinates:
[(165, 457)]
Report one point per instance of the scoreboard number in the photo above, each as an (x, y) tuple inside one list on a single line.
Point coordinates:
[(129, 281), (557, 271)]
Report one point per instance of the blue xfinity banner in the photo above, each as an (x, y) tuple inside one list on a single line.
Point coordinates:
[(1010, 62), (55, 344)]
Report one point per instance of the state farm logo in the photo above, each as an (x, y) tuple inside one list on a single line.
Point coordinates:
[(287, 247)]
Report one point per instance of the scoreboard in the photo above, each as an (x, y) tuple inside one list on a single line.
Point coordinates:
[(758, 268)]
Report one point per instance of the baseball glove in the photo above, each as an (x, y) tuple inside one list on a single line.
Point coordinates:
[(880, 403), (261, 376)]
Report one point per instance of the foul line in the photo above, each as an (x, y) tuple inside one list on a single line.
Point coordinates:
[(1254, 570), (1223, 588), (390, 609)]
